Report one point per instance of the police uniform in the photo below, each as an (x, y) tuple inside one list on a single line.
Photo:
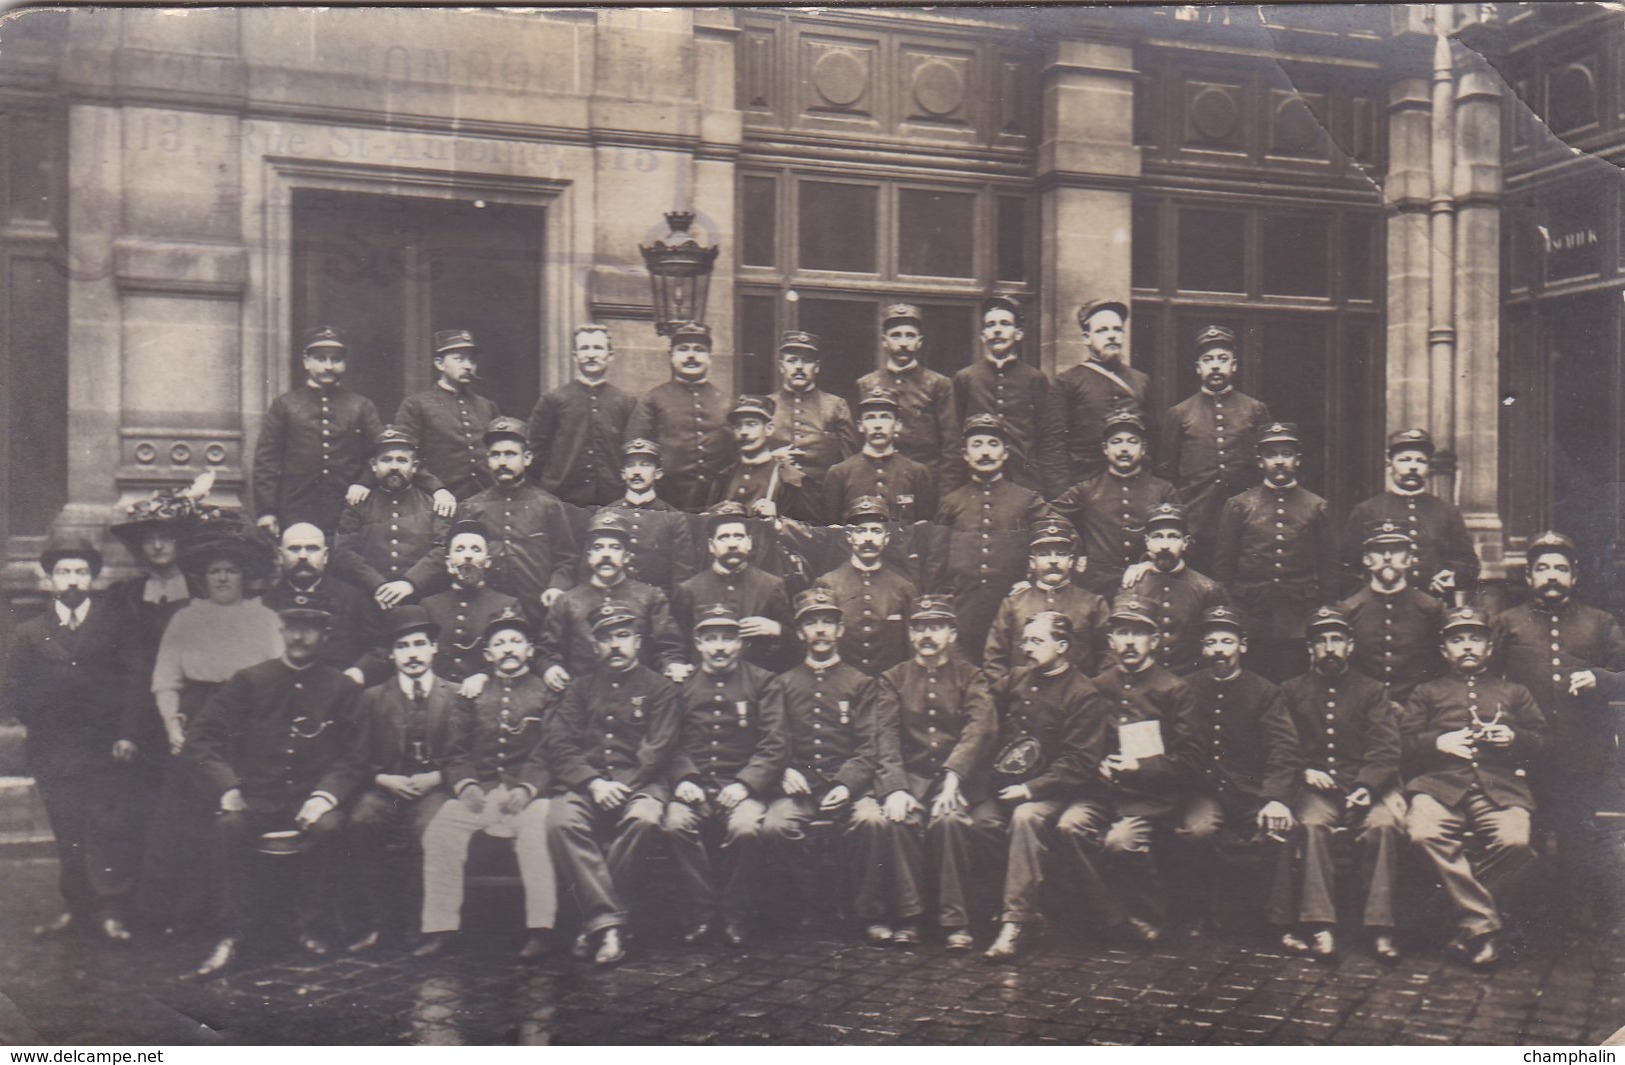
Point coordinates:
[(391, 536), (493, 738), (313, 444), (874, 602), (613, 725), (273, 731), (928, 419), (660, 541), (1488, 793), (830, 729), (1396, 634), (1346, 727), (1020, 394), (1541, 646), (1276, 551), (752, 478), (1208, 447), (933, 721), (689, 420), (818, 424), (449, 422), (1087, 393), (732, 732), (576, 432), (532, 538), (908, 486), (462, 614), (566, 637), (355, 638), (1180, 597), (1085, 610), (977, 540), (751, 592), (1435, 526), (1109, 510)]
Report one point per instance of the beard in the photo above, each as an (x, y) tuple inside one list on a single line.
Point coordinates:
[(1164, 559), (505, 476), (72, 597), (469, 575), (302, 568), (1553, 590), (393, 481)]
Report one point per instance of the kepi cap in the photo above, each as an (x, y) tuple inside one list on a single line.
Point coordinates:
[(1279, 433), (1223, 617), (1329, 617), (1387, 532), (1123, 418), (316, 606), (1130, 607), (1551, 543), (716, 616), (323, 336), (1053, 531), (901, 312), (393, 436), (608, 523), (986, 423), (800, 341), (1094, 307), (816, 601), (691, 331), (639, 445), (1465, 617), (933, 608), (756, 406), (1166, 514), (610, 615), (866, 509), (1215, 336), (506, 426), (449, 340), (880, 397), (509, 618), (1410, 439)]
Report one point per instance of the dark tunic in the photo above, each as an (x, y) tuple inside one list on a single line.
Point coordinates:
[(1109, 512), (449, 427), (1540, 648), (1396, 637), (1020, 394), (1277, 554), (751, 592), (533, 543), (978, 550), (748, 482), (1086, 610), (873, 605), (662, 551), (732, 730), (576, 432), (391, 536), (830, 724), (313, 444), (908, 487), (614, 726), (1067, 715), (1083, 397), (566, 636), (1437, 528), (819, 424), (494, 736), (1153, 694), (462, 615), (690, 423), (929, 421), (932, 721), (1346, 727), (1180, 598), (1207, 451), (1242, 743), (355, 638), (1450, 703)]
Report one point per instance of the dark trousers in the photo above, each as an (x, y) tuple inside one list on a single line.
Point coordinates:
[(1437, 830), (718, 856), (578, 832), (377, 820), (244, 899), (1115, 855), (1305, 891), (952, 845), (84, 811)]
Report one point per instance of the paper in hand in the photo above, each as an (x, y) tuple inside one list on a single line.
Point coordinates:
[(1140, 740)]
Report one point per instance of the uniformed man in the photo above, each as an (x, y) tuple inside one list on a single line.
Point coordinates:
[(831, 759), (500, 790), (1345, 763), (609, 748), (355, 640), (757, 597), (576, 430), (60, 686), (566, 647), (728, 762), (1571, 657), (463, 611), (1110, 507), (928, 422), (688, 417), (976, 539), (937, 728), (448, 418), (1000, 383), (1052, 559), (660, 545), (260, 749), (533, 542), (1395, 626), (1466, 739), (394, 770), (1052, 733), (386, 544), (1277, 553), (1444, 563), (764, 482), (1180, 594), (1101, 384), (1208, 439), (908, 488), (1241, 775), (813, 428), (1150, 716), (873, 597)]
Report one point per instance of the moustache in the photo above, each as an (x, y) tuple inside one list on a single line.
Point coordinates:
[(302, 566)]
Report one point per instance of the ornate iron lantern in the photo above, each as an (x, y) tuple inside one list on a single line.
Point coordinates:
[(679, 273)]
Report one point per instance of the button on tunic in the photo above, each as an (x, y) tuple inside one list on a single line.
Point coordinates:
[(1277, 553), (874, 606), (733, 729), (576, 432), (449, 427), (829, 720), (313, 444)]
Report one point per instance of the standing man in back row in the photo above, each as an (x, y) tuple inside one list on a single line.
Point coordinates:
[(1445, 562), (929, 422), (688, 417), (448, 418), (576, 430), (1101, 384), (999, 382)]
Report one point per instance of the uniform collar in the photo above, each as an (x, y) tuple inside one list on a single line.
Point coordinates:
[(868, 454), (640, 500), (1282, 489), (440, 383), (861, 568), (591, 385), (1125, 476), (761, 458), (1210, 394), (900, 371), (1000, 365), (1394, 489)]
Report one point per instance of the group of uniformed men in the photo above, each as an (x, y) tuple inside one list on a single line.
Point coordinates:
[(964, 628)]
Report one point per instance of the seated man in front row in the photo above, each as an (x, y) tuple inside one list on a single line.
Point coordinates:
[(608, 748), (496, 784)]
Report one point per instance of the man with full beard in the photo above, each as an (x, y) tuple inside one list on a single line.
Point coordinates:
[(757, 597), (533, 545), (1104, 382), (385, 544), (1444, 563), (1178, 593), (462, 611), (1395, 626), (1570, 657), (1466, 740), (355, 640)]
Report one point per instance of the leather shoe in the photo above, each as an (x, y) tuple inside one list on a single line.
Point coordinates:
[(1485, 953), (581, 949), (113, 929), (878, 933), (223, 955), (1384, 947), (734, 934), (1143, 931), (1008, 943), (698, 933), (63, 922), (538, 945), (435, 944), (1323, 944), (906, 935), (611, 948), (959, 939), (1294, 942), (315, 945), (365, 943)]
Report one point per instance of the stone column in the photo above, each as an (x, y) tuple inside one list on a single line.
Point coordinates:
[(1405, 195), (1087, 166)]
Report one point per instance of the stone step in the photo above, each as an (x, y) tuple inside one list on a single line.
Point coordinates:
[(24, 829)]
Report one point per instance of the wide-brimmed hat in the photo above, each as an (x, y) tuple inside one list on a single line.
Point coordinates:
[(249, 550), (182, 510)]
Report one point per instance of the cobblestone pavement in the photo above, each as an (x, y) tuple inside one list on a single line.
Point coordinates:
[(816, 987)]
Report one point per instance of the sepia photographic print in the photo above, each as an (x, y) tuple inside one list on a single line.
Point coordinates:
[(863, 526)]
